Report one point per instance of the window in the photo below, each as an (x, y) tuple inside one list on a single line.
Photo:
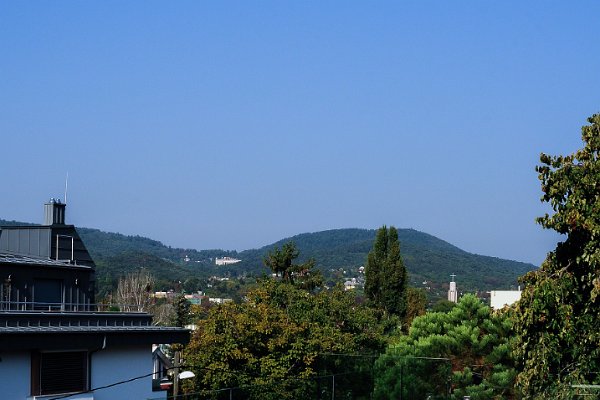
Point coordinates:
[(47, 294), (59, 372)]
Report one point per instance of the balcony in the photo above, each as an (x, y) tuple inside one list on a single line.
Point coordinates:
[(64, 307)]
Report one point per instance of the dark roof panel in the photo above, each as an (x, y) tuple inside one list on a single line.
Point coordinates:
[(10, 258)]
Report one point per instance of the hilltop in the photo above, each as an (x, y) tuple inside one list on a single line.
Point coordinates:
[(427, 258)]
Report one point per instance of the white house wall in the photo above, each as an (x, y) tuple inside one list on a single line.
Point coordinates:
[(119, 364), (15, 372), (501, 298)]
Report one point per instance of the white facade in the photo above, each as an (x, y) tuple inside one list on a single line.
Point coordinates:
[(107, 367), (219, 300), (502, 298), (15, 371), (226, 261), (452, 293), (119, 364), (350, 284)]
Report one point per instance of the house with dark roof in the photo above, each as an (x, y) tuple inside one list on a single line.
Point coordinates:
[(54, 341)]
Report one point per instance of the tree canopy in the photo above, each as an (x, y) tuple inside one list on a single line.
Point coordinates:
[(465, 350), (271, 345), (281, 263), (386, 276), (557, 323)]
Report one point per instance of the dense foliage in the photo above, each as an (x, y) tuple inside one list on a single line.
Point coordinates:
[(386, 277), (558, 321), (281, 263), (426, 257), (273, 344), (465, 351)]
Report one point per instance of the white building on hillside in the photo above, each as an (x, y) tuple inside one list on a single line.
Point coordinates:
[(503, 298), (226, 261)]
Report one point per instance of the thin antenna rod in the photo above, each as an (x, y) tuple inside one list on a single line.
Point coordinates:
[(66, 186)]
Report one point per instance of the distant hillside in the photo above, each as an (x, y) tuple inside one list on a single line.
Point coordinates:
[(426, 257)]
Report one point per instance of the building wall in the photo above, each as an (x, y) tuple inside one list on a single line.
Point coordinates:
[(501, 298), (15, 372), (452, 293), (226, 261), (34, 241), (118, 364), (108, 366)]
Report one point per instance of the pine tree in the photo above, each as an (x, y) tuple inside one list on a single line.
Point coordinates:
[(386, 276)]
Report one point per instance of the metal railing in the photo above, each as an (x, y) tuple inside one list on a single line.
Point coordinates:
[(64, 307)]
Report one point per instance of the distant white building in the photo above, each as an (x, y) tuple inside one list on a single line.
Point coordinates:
[(226, 261), (350, 284), (452, 292), (502, 298), (219, 300)]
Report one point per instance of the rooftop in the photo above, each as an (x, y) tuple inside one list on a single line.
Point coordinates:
[(85, 329), (10, 258)]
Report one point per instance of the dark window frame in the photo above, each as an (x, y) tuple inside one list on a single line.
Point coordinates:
[(58, 372)]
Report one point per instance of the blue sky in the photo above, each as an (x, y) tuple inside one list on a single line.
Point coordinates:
[(234, 124)]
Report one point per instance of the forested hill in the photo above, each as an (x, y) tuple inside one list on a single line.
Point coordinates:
[(426, 257)]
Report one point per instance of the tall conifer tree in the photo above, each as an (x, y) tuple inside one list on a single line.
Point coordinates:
[(386, 276)]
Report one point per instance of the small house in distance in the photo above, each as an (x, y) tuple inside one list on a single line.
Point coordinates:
[(54, 340), (504, 298)]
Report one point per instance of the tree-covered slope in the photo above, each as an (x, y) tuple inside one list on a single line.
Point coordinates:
[(427, 258)]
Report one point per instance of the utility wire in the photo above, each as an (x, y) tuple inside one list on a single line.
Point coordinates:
[(117, 383), (65, 396)]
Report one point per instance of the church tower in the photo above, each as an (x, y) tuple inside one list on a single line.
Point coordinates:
[(452, 293)]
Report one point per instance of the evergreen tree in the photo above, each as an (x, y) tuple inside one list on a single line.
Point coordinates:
[(386, 276), (182, 311), (281, 262), (374, 268), (557, 324), (467, 349)]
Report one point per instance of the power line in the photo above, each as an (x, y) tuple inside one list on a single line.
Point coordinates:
[(290, 378)]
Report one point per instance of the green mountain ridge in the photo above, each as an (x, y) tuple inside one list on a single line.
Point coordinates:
[(427, 258)]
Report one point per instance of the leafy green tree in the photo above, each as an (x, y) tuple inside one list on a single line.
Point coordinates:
[(466, 350), (558, 324), (416, 302), (273, 343), (386, 275), (281, 263)]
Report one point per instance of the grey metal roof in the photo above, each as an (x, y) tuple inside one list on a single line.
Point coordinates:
[(88, 329), (10, 258), (24, 337)]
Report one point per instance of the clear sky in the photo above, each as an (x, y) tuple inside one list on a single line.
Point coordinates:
[(235, 124)]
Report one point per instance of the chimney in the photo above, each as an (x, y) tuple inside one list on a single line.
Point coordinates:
[(54, 212)]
